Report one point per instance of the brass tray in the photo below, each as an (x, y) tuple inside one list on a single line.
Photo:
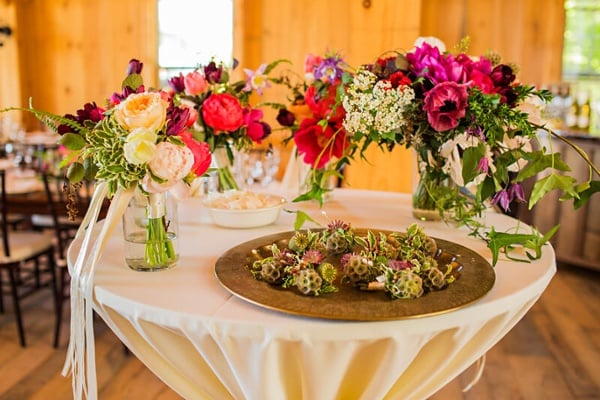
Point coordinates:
[(475, 278)]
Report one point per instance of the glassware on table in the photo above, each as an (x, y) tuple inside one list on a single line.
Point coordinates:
[(259, 166)]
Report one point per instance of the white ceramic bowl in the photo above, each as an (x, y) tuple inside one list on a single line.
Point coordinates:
[(241, 209)]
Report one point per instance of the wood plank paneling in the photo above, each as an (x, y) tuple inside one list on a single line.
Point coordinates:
[(75, 51), (528, 33), (9, 64)]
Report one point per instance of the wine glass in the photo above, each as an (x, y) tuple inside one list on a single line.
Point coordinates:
[(260, 165)]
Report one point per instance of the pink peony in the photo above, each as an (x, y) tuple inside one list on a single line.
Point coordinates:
[(222, 112), (195, 83), (445, 105)]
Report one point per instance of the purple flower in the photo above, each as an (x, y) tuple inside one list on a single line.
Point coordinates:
[(502, 75), (90, 112), (329, 68), (515, 192), (177, 119), (502, 198), (177, 83), (213, 73), (134, 67), (285, 117), (475, 130)]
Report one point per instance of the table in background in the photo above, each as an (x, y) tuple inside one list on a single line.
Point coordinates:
[(208, 344)]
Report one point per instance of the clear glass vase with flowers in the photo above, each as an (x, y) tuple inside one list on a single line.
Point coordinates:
[(138, 144), (471, 124), (225, 117), (315, 121)]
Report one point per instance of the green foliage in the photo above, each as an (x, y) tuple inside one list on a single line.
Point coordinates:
[(506, 242)]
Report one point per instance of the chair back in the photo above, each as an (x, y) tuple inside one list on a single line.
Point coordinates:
[(4, 213)]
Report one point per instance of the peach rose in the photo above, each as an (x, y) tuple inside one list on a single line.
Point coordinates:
[(142, 110)]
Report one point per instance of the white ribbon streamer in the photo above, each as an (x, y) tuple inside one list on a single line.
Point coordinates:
[(80, 360), (480, 366)]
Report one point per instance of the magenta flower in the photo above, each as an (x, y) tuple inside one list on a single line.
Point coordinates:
[(483, 165), (445, 105), (256, 129)]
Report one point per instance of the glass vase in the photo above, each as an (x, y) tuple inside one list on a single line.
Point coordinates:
[(433, 192), (150, 229), (221, 171), (316, 184)]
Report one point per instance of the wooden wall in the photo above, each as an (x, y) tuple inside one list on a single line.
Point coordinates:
[(75, 51), (10, 90), (528, 33), (66, 52)]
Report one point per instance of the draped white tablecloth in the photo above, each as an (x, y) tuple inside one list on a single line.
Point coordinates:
[(208, 344)]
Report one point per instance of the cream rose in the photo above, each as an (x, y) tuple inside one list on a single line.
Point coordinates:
[(140, 146), (142, 110), (171, 162)]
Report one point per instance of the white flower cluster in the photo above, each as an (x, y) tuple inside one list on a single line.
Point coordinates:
[(375, 106)]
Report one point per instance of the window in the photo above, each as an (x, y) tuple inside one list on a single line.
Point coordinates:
[(191, 32), (581, 54)]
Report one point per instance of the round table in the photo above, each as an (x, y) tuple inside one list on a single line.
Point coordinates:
[(206, 343)]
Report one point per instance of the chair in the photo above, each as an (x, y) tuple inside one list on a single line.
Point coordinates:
[(27, 257), (63, 198)]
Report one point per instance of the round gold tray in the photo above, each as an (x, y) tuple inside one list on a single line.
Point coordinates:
[(475, 277)]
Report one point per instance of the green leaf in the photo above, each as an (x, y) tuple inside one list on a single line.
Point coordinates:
[(275, 63), (538, 161), (549, 183), (585, 195), (72, 141), (76, 172), (134, 81), (471, 158), (301, 218)]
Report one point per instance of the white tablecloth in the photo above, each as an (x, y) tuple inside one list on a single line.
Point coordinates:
[(208, 344)]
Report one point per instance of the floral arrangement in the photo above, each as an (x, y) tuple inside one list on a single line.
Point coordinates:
[(404, 265), (472, 125), (316, 119), (141, 139), (226, 119)]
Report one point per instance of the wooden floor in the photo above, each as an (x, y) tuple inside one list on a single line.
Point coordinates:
[(553, 353)]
